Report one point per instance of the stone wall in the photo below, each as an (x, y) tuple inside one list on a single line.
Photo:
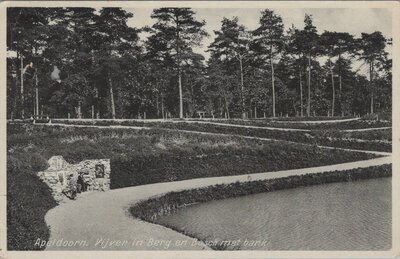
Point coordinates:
[(88, 175)]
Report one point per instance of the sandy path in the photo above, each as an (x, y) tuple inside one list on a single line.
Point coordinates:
[(276, 128), (105, 215), (207, 122), (216, 119)]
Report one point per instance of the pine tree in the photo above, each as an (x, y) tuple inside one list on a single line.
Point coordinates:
[(175, 33), (372, 51), (269, 42), (233, 42)]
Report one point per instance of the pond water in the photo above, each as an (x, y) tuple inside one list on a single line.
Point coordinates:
[(337, 216)]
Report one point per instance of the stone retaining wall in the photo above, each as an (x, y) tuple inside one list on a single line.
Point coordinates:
[(88, 175)]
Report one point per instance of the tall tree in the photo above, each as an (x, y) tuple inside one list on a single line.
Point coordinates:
[(26, 33), (114, 38), (177, 32), (294, 48), (338, 44), (308, 43), (269, 39), (372, 50), (232, 42)]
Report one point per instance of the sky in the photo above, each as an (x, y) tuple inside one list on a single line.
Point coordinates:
[(351, 20)]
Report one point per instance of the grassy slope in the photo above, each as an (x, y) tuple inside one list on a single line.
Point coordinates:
[(321, 134)]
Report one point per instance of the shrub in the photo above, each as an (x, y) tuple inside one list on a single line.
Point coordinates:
[(28, 200), (188, 164)]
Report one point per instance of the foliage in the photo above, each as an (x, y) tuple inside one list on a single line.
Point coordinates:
[(28, 200), (93, 64)]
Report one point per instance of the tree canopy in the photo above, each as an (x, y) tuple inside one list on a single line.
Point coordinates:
[(89, 63)]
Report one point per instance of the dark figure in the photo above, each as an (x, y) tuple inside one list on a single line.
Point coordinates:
[(81, 182)]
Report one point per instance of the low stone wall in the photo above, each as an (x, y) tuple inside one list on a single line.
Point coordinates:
[(64, 178)]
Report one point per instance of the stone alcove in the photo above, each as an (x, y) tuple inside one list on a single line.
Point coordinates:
[(60, 176)]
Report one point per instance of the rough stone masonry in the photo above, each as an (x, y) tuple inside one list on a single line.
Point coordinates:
[(60, 175)]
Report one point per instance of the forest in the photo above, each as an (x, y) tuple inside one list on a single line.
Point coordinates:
[(89, 63)]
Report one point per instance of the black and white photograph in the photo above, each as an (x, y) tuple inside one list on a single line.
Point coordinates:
[(199, 127)]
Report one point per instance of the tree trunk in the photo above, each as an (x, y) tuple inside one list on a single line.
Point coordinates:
[(14, 109), (340, 82), (333, 95), (309, 86), (333, 90), (371, 76), (242, 87), (180, 95), (112, 98), (226, 106), (301, 93), (178, 54), (192, 100), (22, 88), (273, 86), (162, 106), (158, 105), (79, 114), (36, 94)]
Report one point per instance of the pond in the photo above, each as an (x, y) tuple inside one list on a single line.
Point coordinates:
[(337, 216)]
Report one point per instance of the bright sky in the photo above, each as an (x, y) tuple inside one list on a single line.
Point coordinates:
[(353, 21)]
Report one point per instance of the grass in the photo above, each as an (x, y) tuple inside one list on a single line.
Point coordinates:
[(320, 134)]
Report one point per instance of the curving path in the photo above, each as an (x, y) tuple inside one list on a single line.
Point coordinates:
[(98, 217), (281, 129), (212, 123), (105, 215)]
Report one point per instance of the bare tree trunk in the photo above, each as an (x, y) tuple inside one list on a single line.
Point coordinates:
[(273, 86), (162, 106), (242, 87), (226, 106), (112, 98), (180, 95), (333, 90), (79, 110), (22, 89), (371, 75), (92, 111), (14, 110), (178, 54), (340, 82), (301, 93), (309, 86), (36, 93), (192, 100), (158, 105)]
